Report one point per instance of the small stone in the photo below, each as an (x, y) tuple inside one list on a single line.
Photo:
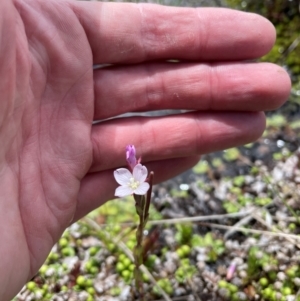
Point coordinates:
[(201, 257), (241, 296), (39, 295), (258, 186), (273, 248), (242, 267), (297, 281), (269, 267), (277, 173), (224, 293), (83, 296), (90, 241), (200, 250), (70, 262), (170, 266), (179, 291), (201, 265), (282, 267), (50, 272), (221, 190), (110, 260), (163, 274), (237, 281), (290, 298), (222, 270), (228, 244), (259, 254), (278, 285), (172, 255), (281, 276), (280, 256), (238, 261), (125, 294), (243, 274), (210, 286), (59, 298), (282, 225), (289, 246), (169, 237), (251, 241)]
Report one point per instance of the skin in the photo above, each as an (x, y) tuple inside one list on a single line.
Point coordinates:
[(55, 165)]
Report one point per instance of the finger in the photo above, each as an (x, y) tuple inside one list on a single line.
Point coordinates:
[(235, 87), (123, 33), (97, 188), (174, 136)]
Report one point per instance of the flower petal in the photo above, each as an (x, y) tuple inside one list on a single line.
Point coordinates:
[(142, 189), (140, 173), (130, 155), (122, 176), (123, 191)]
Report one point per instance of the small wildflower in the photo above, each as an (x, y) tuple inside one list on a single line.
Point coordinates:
[(131, 183), (131, 156), (231, 271)]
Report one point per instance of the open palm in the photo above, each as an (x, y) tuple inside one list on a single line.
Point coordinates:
[(55, 165)]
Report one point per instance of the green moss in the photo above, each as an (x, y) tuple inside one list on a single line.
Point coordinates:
[(185, 272), (115, 291), (217, 162), (215, 247), (201, 168), (165, 284), (239, 181), (179, 193), (231, 207), (183, 251), (263, 201), (184, 233), (276, 121), (231, 154), (295, 124)]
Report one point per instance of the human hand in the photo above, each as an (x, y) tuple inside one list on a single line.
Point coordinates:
[(55, 166)]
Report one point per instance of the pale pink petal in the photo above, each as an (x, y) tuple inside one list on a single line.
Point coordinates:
[(122, 176), (123, 191), (130, 155), (142, 189), (140, 173)]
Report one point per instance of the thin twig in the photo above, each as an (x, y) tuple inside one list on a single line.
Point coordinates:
[(285, 218), (200, 218), (243, 221), (189, 219), (259, 219), (181, 298), (240, 223), (241, 229), (291, 48)]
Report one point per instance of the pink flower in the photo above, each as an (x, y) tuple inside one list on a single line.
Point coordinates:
[(231, 271), (131, 156), (131, 183)]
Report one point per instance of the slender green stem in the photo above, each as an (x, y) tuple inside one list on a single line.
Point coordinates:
[(142, 205), (138, 250)]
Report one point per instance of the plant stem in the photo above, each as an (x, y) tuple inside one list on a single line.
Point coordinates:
[(142, 205)]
